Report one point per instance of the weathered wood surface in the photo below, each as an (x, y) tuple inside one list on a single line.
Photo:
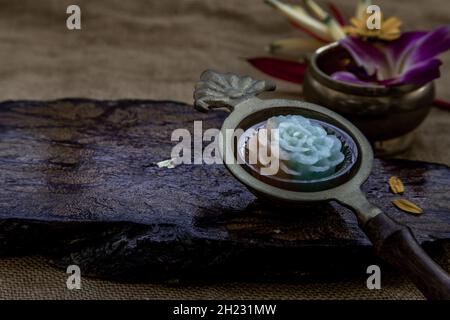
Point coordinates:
[(79, 185)]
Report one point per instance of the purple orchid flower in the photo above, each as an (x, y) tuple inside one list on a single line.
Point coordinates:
[(410, 59)]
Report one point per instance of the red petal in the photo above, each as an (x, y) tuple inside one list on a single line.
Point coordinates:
[(280, 68), (442, 104), (337, 13), (309, 32)]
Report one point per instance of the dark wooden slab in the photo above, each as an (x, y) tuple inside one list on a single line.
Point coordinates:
[(79, 185)]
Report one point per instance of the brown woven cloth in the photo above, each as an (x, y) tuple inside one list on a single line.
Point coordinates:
[(157, 50)]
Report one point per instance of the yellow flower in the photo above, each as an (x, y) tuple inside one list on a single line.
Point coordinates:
[(389, 29)]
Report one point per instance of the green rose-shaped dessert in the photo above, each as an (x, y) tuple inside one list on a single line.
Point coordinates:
[(306, 150)]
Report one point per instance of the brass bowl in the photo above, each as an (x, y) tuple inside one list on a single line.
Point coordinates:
[(383, 114)]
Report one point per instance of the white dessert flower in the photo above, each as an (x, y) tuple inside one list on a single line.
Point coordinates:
[(305, 150)]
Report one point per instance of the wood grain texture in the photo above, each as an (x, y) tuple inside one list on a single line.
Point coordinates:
[(79, 185)]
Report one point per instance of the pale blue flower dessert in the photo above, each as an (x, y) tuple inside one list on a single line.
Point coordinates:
[(306, 150)]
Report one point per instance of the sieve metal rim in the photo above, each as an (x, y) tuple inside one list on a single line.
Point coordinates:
[(254, 106)]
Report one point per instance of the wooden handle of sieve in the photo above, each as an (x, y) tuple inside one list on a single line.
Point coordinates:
[(396, 244)]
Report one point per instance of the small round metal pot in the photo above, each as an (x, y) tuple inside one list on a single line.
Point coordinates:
[(386, 115)]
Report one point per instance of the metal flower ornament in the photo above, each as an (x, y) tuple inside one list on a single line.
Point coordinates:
[(383, 53)]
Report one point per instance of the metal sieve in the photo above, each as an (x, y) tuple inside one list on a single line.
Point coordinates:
[(392, 241), (343, 172)]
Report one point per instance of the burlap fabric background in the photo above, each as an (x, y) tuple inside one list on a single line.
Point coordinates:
[(156, 50)]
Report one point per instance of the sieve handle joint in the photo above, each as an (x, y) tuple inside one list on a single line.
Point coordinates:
[(396, 244)]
